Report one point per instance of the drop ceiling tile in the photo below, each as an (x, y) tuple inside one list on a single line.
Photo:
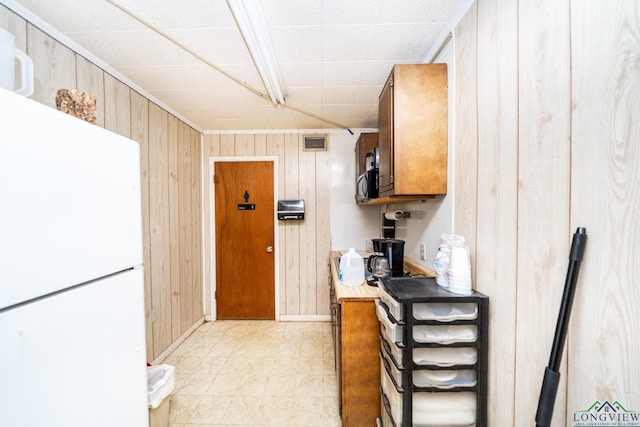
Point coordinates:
[(343, 73), (339, 95), (301, 74), (404, 41), (336, 12), (417, 11), (172, 14), (220, 46), (296, 44), (336, 48), (284, 13)]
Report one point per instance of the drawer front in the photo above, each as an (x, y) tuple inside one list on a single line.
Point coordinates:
[(444, 409), (391, 397), (396, 309), (445, 356), (444, 379), (392, 331), (392, 350), (445, 311), (445, 334), (392, 370)]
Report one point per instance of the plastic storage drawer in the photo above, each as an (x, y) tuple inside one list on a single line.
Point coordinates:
[(393, 350), (392, 370), (395, 308), (445, 334), (392, 331), (445, 356), (445, 311)]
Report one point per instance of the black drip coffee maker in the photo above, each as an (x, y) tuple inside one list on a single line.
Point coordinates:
[(393, 250)]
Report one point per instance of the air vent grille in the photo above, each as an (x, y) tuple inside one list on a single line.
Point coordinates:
[(315, 142)]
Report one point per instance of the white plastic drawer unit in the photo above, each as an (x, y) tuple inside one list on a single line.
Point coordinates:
[(390, 330), (430, 409)]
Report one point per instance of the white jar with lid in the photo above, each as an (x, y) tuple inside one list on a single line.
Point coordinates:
[(351, 268)]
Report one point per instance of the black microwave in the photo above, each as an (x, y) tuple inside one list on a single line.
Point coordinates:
[(367, 185)]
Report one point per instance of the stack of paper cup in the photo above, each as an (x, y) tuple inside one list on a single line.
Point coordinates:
[(459, 277)]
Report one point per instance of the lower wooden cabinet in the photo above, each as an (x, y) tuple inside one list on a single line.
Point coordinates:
[(357, 344), (359, 363)]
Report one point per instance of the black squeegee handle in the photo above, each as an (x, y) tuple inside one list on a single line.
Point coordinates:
[(551, 375)]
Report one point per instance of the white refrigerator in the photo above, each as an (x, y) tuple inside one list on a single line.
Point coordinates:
[(72, 326)]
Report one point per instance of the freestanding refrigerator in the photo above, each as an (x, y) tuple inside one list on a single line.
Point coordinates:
[(72, 337)]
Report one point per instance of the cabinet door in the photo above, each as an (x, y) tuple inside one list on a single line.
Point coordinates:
[(385, 130)]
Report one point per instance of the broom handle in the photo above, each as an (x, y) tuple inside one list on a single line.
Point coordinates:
[(551, 375)]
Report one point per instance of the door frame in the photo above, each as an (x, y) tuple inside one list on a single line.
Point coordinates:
[(212, 227)]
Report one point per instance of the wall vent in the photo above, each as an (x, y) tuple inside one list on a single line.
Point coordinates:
[(315, 143)]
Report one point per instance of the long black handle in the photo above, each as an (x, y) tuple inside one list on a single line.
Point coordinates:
[(551, 375)]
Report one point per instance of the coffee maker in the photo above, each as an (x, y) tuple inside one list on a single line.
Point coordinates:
[(393, 249)]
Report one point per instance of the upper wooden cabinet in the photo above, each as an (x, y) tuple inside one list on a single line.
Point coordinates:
[(413, 133)]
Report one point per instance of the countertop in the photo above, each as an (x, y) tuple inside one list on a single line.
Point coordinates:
[(366, 292)]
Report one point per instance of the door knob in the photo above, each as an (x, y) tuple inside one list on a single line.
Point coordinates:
[(269, 249)]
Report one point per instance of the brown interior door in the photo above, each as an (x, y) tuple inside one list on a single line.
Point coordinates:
[(245, 257)]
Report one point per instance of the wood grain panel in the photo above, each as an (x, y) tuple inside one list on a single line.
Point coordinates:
[(603, 347), (196, 224), (54, 66), (90, 78), (322, 230), (307, 229), (140, 133), (543, 193), (244, 145), (291, 228), (117, 110), (173, 148), (227, 145), (465, 151), (275, 147), (159, 227), (497, 192), (186, 229), (260, 144)]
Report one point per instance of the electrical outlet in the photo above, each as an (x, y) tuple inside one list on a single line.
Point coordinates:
[(423, 252)]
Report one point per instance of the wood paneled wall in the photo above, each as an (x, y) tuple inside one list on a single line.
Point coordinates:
[(547, 101), (170, 178), (303, 245)]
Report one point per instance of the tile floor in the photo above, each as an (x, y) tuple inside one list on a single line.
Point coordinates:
[(255, 373)]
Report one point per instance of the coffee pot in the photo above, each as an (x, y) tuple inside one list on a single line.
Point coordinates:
[(393, 250)]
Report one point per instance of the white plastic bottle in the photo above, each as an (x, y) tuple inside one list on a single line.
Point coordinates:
[(351, 268)]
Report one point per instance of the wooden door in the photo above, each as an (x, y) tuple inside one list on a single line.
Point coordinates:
[(245, 257)]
